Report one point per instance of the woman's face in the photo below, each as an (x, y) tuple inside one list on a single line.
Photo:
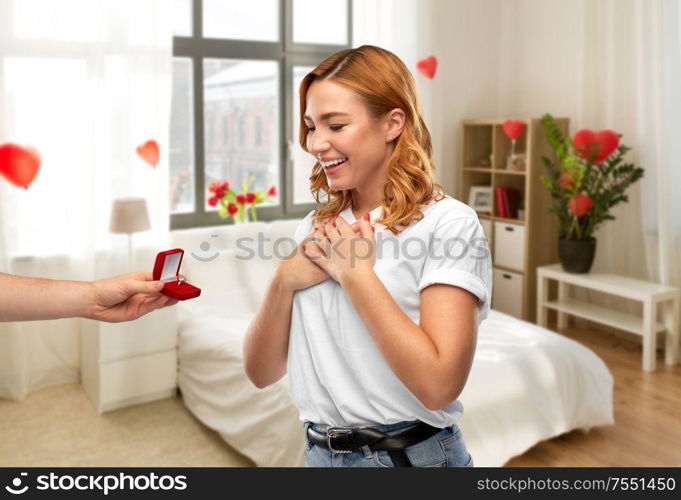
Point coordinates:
[(342, 128)]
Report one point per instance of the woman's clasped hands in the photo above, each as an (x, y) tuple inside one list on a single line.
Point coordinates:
[(343, 250)]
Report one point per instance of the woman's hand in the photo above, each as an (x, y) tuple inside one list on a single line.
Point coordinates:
[(342, 251), (297, 272)]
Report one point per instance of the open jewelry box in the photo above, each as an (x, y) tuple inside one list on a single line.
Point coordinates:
[(167, 268)]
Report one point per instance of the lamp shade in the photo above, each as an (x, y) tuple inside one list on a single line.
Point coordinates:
[(129, 215)]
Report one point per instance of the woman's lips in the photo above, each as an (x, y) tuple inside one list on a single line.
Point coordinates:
[(335, 168)]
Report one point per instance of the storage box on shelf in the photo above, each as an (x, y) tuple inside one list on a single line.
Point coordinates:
[(518, 245)]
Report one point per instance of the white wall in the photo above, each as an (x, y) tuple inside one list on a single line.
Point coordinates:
[(467, 47), (463, 35)]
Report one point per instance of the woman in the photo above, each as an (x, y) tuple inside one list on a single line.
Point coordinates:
[(377, 347)]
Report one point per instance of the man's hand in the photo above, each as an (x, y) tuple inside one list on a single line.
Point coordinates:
[(125, 298)]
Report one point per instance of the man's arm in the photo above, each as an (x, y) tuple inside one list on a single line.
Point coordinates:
[(122, 298)]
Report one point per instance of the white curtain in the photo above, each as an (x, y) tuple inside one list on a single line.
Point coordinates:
[(85, 82), (608, 64), (658, 103)]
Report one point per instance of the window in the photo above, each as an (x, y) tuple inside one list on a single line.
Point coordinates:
[(225, 130), (258, 131), (236, 71), (242, 133)]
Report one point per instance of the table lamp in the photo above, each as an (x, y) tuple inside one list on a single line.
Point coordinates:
[(128, 216)]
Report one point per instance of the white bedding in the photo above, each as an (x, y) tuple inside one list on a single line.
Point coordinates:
[(527, 384)]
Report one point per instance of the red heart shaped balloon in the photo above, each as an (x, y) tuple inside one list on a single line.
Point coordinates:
[(427, 66), (149, 152), (603, 143), (19, 165), (513, 129)]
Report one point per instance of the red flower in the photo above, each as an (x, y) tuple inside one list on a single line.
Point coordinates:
[(218, 187), (213, 201), (233, 209), (240, 198), (581, 204), (566, 180), (250, 197), (272, 191)]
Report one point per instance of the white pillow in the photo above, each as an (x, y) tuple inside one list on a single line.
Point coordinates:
[(228, 281)]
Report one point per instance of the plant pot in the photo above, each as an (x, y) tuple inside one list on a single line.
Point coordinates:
[(577, 256)]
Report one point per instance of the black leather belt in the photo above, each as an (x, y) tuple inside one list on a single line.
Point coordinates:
[(351, 439)]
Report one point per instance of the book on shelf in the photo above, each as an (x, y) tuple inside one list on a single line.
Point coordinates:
[(499, 198), (508, 200)]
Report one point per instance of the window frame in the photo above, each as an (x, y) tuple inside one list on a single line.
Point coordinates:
[(287, 54)]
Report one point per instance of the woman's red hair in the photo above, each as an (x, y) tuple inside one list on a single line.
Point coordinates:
[(383, 81)]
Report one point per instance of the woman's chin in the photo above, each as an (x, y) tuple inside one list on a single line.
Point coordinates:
[(337, 184)]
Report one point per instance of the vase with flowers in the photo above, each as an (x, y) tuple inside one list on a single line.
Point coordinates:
[(588, 179), (238, 205)]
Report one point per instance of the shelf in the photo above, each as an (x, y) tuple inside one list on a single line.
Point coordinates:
[(489, 170), (508, 172), (483, 155), (600, 314), (492, 121), (502, 219)]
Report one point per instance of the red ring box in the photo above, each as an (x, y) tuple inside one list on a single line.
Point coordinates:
[(167, 268)]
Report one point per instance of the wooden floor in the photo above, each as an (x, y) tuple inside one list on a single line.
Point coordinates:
[(647, 430), (48, 428)]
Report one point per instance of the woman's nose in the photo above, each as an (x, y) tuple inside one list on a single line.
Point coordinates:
[(318, 144)]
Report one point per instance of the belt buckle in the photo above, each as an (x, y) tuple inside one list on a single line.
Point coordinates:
[(335, 432)]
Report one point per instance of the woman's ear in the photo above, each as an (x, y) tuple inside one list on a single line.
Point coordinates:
[(396, 118)]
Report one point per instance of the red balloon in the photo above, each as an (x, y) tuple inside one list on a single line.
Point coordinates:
[(603, 143), (513, 129), (149, 152), (19, 165), (427, 66)]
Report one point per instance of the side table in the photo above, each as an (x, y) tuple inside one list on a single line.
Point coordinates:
[(651, 295)]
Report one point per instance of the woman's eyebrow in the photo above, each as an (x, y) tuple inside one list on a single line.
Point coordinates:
[(328, 115)]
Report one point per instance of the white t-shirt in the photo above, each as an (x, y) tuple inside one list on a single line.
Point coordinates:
[(336, 373)]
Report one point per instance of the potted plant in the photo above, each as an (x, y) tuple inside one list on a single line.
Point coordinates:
[(238, 205), (588, 179)]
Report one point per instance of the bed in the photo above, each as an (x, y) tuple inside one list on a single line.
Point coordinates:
[(527, 383)]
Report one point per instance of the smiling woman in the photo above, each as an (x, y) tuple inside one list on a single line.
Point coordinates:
[(361, 105), (377, 347)]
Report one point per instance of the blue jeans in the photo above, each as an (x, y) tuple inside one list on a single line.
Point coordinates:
[(444, 449)]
